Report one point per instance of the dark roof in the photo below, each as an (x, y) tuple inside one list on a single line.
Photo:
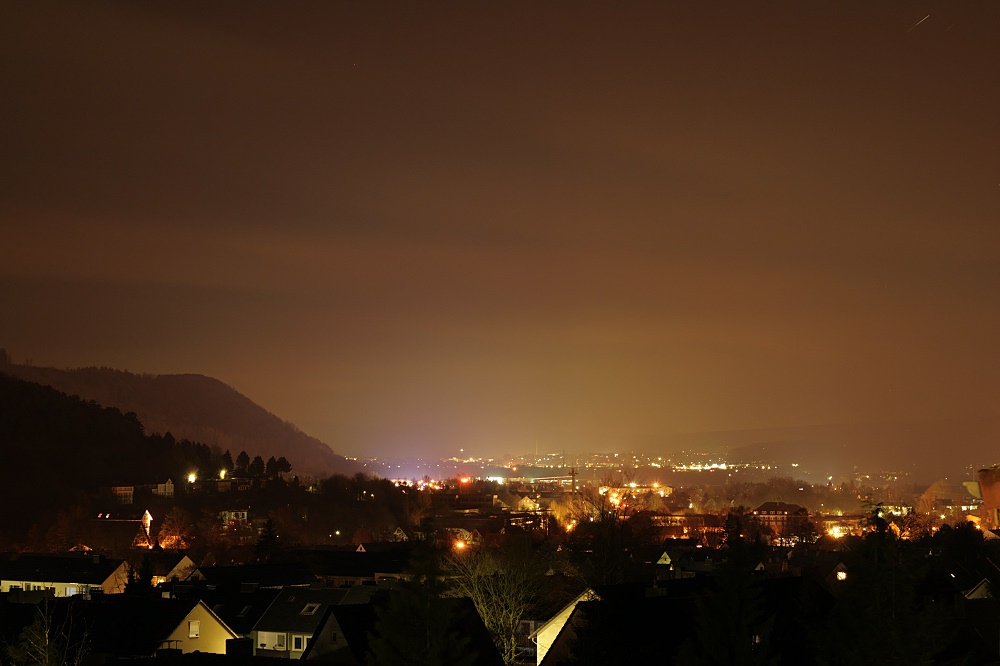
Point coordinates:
[(163, 563), (301, 609), (65, 568), (357, 565), (655, 622), (259, 575), (118, 624), (780, 508), (356, 621), (239, 610), (125, 625)]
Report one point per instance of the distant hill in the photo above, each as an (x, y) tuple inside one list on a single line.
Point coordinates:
[(925, 451), (197, 408)]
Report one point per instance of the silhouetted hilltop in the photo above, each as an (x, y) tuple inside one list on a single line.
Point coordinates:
[(57, 447), (197, 408)]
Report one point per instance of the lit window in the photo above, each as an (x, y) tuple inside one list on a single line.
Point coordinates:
[(194, 628), (310, 609), (279, 642), (841, 575)]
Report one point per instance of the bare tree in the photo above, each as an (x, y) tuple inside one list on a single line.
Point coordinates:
[(503, 583), (177, 530), (50, 640), (611, 519)]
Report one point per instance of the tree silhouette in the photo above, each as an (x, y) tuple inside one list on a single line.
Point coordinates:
[(267, 548), (733, 627), (417, 626), (140, 579), (227, 462), (242, 462), (256, 468)]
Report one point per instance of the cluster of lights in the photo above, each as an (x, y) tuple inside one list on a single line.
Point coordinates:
[(699, 467)]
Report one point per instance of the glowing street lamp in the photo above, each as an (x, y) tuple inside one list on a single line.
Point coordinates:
[(192, 477)]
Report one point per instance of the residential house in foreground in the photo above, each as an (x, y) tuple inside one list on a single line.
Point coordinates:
[(292, 619), (63, 575)]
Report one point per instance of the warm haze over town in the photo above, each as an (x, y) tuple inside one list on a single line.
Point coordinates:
[(415, 229), (552, 333)]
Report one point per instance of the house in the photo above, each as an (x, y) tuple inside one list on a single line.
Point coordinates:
[(239, 609), (165, 489), (232, 518), (253, 576), (125, 626), (170, 566), (64, 575), (545, 635), (122, 494), (343, 634), (659, 624), (779, 515), (118, 531), (292, 620)]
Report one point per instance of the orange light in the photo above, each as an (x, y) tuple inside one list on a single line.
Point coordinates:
[(459, 545), (464, 479)]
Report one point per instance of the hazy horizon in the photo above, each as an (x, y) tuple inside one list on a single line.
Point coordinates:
[(425, 228)]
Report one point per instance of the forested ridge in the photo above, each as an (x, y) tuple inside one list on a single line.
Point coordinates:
[(193, 407), (57, 447)]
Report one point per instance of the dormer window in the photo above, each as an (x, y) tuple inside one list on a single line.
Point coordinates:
[(310, 609)]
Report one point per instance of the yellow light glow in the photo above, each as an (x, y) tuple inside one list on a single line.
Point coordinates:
[(222, 474), (841, 575), (459, 545), (192, 477)]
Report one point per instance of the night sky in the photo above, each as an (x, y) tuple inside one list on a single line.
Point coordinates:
[(416, 227)]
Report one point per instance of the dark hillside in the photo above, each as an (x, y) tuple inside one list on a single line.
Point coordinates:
[(197, 408), (56, 447)]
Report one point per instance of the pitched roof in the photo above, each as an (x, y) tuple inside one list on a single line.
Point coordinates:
[(240, 610), (780, 508), (301, 609), (119, 624), (259, 575), (64, 568)]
